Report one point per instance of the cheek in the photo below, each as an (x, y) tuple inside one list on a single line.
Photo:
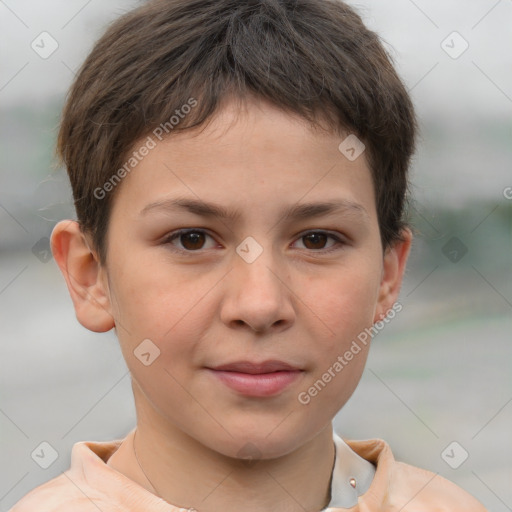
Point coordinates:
[(344, 303), (164, 307), (149, 297)]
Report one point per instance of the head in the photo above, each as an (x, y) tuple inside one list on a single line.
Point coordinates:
[(257, 108)]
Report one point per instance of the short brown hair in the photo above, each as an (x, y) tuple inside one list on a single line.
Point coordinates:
[(309, 57)]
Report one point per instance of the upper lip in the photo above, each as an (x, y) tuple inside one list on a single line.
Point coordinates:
[(256, 368)]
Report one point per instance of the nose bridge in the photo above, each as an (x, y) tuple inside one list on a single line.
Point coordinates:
[(259, 297), (257, 264)]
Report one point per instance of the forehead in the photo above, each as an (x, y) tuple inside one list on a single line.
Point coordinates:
[(257, 157)]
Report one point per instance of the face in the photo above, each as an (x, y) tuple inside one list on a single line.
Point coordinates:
[(214, 258)]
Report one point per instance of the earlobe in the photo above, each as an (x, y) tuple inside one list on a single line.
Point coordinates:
[(394, 264), (84, 276)]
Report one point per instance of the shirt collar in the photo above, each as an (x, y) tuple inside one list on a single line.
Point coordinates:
[(351, 476)]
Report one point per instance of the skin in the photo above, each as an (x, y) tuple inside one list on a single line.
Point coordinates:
[(296, 302)]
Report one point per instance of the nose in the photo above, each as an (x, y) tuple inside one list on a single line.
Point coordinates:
[(258, 295)]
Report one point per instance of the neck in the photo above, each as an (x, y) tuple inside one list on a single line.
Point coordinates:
[(187, 474)]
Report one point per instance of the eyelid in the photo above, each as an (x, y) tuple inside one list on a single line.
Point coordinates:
[(168, 239), (338, 237)]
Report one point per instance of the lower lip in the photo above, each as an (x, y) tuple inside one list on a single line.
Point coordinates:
[(262, 384)]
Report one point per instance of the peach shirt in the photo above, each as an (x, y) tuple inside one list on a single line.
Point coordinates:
[(90, 485)]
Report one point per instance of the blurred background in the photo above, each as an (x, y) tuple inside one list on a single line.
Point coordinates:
[(438, 384)]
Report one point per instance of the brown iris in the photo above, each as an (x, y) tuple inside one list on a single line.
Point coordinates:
[(192, 240), (316, 238)]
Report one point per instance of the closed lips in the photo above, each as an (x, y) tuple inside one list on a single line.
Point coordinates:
[(256, 368), (257, 380)]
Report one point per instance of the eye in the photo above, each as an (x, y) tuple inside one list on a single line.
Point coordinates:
[(191, 239), (315, 240)]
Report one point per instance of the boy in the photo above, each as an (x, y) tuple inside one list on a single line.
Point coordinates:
[(239, 170)]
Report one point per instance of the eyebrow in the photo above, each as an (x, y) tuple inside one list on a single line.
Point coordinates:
[(296, 212)]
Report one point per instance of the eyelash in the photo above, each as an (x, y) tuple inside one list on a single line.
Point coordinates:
[(173, 236)]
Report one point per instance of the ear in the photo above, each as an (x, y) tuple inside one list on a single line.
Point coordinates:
[(395, 260), (85, 277)]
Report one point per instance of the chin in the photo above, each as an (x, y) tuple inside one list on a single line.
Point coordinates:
[(264, 441)]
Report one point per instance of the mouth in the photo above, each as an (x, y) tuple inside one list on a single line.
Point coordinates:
[(267, 378)]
